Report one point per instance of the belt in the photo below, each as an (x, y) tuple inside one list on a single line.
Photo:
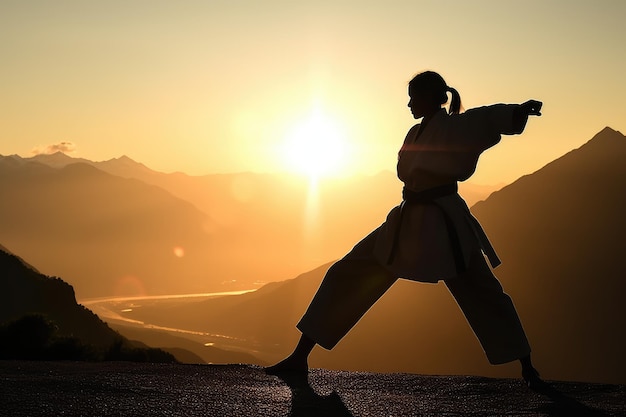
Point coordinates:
[(428, 197)]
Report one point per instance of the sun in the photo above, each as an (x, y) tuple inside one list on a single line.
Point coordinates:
[(315, 146)]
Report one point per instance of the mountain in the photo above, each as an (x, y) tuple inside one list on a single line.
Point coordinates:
[(56, 160), (105, 234), (560, 233), (25, 290), (40, 319)]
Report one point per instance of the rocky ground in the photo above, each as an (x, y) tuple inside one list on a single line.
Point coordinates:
[(132, 389)]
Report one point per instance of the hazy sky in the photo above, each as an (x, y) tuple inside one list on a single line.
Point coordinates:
[(219, 86)]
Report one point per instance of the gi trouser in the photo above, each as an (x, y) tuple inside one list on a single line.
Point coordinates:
[(354, 283)]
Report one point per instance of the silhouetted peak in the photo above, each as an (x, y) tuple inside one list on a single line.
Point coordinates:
[(16, 162), (608, 134), (123, 162), (608, 130), (606, 143), (59, 154), (57, 157), (598, 161), (122, 159), (14, 157), (11, 160)]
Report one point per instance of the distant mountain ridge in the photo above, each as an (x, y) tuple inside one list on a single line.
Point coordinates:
[(105, 233), (60, 160), (128, 168)]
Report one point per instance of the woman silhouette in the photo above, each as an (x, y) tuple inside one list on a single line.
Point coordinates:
[(431, 236)]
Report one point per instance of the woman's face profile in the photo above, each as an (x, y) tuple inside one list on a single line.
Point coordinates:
[(418, 104), (422, 102)]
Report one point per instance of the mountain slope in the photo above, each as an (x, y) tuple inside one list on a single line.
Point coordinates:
[(105, 234), (24, 290), (561, 234), (40, 319)]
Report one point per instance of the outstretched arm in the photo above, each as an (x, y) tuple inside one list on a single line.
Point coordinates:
[(521, 113)]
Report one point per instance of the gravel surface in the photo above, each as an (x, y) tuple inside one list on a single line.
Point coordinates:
[(133, 389)]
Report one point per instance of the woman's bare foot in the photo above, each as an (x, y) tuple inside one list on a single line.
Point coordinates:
[(534, 381), (289, 364), (297, 361)]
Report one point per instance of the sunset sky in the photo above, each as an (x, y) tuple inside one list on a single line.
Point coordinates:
[(226, 86)]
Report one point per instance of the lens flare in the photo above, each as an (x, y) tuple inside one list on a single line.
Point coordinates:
[(179, 252)]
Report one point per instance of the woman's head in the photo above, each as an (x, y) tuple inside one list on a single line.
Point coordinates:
[(428, 91)]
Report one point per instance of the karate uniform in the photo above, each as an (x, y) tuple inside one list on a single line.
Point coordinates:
[(429, 241)]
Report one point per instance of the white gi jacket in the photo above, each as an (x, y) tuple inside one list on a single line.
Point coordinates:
[(446, 151)]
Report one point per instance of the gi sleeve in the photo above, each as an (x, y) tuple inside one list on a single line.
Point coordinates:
[(481, 128)]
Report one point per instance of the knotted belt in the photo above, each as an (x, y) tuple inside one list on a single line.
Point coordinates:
[(428, 197)]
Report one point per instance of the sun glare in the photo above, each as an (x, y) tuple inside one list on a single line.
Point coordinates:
[(316, 147)]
